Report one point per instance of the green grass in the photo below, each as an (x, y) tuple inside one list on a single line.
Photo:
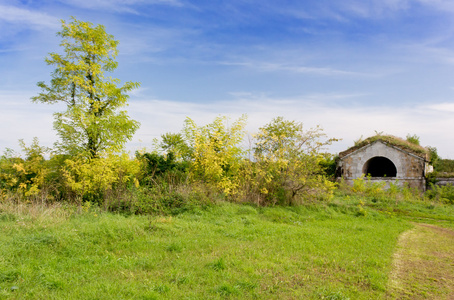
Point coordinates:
[(341, 250)]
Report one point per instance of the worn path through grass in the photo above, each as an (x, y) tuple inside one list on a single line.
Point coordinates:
[(424, 264)]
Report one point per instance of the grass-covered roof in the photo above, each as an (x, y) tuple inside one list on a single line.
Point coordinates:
[(392, 141)]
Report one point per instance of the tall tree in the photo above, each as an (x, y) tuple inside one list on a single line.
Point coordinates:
[(92, 121)]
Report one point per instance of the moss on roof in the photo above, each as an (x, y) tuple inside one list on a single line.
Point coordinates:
[(391, 140)]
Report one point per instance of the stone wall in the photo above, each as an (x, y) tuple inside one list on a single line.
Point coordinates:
[(445, 181), (410, 167)]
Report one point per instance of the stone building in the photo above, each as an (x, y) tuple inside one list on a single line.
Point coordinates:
[(385, 158)]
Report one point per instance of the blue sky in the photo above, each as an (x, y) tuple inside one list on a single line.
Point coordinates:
[(354, 67)]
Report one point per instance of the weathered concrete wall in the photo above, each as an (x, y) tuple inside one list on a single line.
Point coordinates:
[(410, 168), (445, 181)]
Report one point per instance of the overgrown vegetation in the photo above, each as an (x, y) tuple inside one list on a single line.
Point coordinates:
[(443, 168), (411, 144), (284, 165), (287, 166)]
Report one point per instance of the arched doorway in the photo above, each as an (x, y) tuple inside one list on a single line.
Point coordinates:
[(380, 166)]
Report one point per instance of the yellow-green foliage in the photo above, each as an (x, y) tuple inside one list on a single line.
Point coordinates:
[(381, 190), (91, 178), (444, 194), (364, 185), (287, 165), (174, 143), (216, 152), (9, 176), (93, 121), (26, 176)]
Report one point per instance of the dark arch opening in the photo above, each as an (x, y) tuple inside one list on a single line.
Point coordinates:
[(380, 166)]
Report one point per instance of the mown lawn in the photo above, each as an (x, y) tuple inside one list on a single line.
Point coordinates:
[(223, 251)]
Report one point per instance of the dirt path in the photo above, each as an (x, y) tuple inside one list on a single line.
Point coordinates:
[(424, 264)]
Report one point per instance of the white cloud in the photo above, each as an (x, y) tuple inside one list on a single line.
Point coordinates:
[(346, 123), (377, 8), (22, 119), (447, 107), (443, 5), (125, 6), (272, 67), (150, 39), (14, 14), (342, 11)]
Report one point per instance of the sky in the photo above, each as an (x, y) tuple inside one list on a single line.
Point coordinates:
[(354, 67)]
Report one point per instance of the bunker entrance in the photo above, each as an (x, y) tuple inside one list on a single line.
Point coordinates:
[(380, 167)]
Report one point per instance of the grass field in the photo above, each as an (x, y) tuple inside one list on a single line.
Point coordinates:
[(340, 250)]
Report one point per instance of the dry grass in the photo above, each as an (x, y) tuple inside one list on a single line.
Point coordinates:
[(424, 264), (38, 212)]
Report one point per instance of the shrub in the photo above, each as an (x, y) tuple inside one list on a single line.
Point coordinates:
[(26, 176), (288, 165), (382, 191), (159, 199), (162, 166), (216, 152), (444, 194), (90, 179)]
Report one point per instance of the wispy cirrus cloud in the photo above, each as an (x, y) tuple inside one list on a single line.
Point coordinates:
[(272, 67), (372, 9), (443, 5), (14, 14), (385, 8), (151, 39), (121, 6), (343, 11)]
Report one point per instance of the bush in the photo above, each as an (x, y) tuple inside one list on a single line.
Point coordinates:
[(216, 153), (444, 166), (444, 194), (25, 176), (288, 167), (156, 166), (92, 179), (381, 191), (159, 199)]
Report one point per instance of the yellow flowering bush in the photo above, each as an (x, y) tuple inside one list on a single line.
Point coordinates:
[(90, 179), (216, 153), (287, 168), (24, 175)]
